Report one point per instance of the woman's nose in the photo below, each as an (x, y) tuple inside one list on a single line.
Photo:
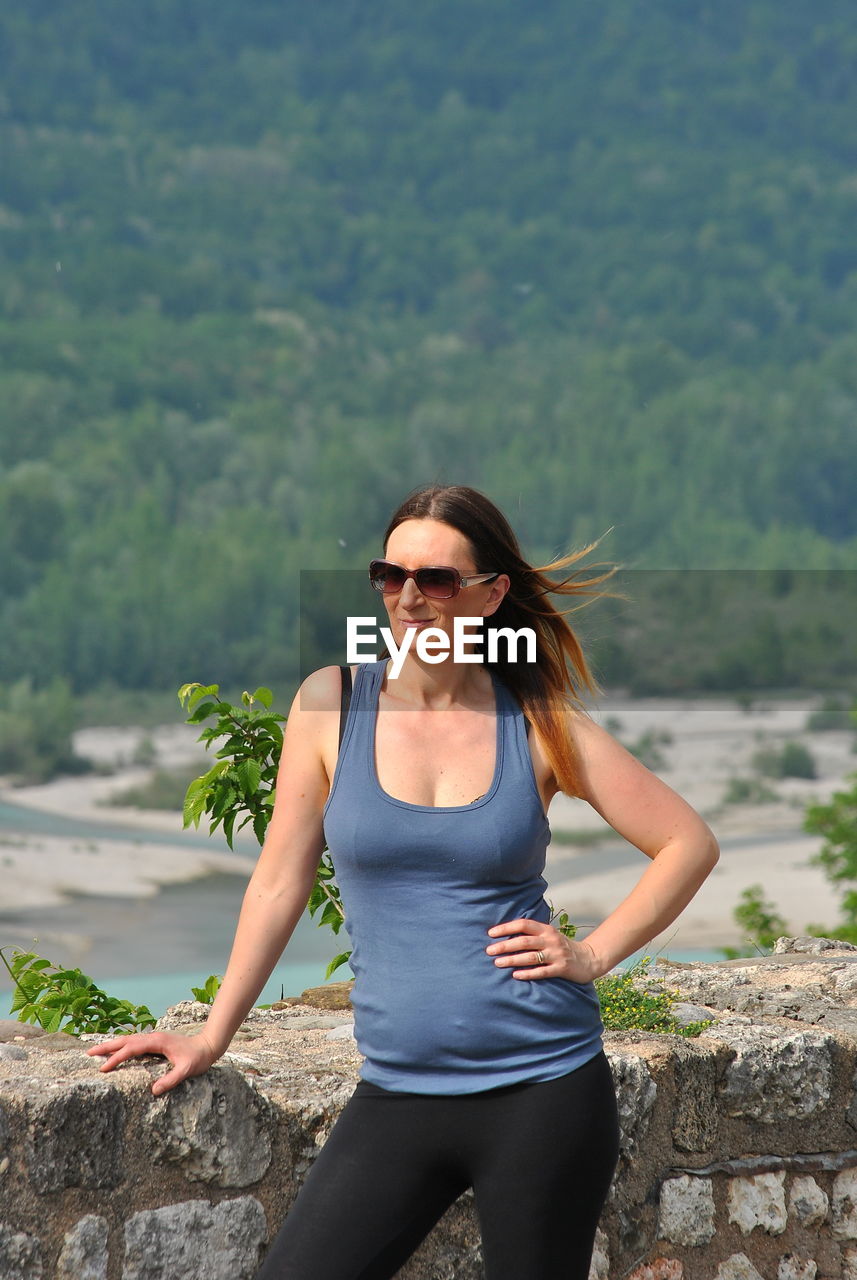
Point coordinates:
[(410, 591)]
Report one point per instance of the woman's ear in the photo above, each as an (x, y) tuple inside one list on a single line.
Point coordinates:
[(498, 589)]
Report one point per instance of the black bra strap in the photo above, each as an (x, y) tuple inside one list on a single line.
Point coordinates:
[(345, 700)]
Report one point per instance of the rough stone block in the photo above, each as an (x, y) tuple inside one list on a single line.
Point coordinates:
[(811, 945), (694, 1125), (84, 1251), (686, 1213), (849, 1264), (844, 1205), (686, 1013), (776, 1075), (635, 1094), (738, 1267), (851, 1113), (216, 1126), (758, 1202), (20, 1255), (791, 1267), (807, 1202), (194, 1239), (75, 1137), (345, 1031), (658, 1269), (12, 1029), (12, 1053), (599, 1268), (55, 1042)]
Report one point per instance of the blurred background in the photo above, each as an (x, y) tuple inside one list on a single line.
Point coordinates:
[(265, 266)]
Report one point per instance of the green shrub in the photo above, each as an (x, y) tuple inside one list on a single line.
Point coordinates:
[(760, 920), (648, 746), (145, 754), (832, 713), (748, 791), (836, 821), (240, 787), (165, 789), (792, 760), (67, 999), (627, 1004), (36, 728)]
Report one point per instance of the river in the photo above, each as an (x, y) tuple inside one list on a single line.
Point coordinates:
[(151, 950)]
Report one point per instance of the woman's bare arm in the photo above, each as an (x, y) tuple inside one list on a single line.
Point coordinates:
[(649, 814)]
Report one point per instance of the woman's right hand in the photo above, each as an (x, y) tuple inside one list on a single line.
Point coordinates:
[(187, 1055)]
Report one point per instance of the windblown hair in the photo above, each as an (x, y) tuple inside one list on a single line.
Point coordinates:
[(560, 674)]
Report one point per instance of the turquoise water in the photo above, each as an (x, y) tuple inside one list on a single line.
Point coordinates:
[(684, 955), (159, 991), (151, 950), (20, 818)]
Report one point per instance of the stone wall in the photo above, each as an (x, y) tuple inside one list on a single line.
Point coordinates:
[(738, 1147)]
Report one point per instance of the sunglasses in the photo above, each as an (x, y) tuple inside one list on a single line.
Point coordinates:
[(436, 581)]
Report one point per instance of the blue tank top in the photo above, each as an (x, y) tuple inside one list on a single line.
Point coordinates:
[(421, 887)]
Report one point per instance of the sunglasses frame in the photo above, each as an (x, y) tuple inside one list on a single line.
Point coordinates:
[(458, 580)]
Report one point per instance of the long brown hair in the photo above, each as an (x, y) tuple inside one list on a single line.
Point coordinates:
[(560, 673)]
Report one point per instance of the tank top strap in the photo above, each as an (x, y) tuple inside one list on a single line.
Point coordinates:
[(367, 684), (517, 749)]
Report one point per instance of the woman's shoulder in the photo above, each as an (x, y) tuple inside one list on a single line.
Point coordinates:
[(311, 725), (321, 690)]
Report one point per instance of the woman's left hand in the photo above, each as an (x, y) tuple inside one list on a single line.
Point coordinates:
[(532, 949)]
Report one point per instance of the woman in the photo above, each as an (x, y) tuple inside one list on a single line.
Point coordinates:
[(477, 1018)]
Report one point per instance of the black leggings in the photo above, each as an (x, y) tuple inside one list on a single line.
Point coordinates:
[(539, 1157)]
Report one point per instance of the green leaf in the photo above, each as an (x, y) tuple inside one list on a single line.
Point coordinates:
[(209, 990), (272, 724), (337, 962), (330, 915), (195, 802), (202, 712), (194, 693), (250, 775)]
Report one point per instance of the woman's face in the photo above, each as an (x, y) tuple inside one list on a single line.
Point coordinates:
[(416, 544)]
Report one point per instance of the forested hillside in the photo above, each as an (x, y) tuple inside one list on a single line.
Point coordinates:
[(266, 265)]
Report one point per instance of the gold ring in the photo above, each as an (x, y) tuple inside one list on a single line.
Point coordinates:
[(541, 956)]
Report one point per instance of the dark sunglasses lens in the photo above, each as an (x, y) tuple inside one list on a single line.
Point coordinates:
[(386, 577), (438, 583)]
